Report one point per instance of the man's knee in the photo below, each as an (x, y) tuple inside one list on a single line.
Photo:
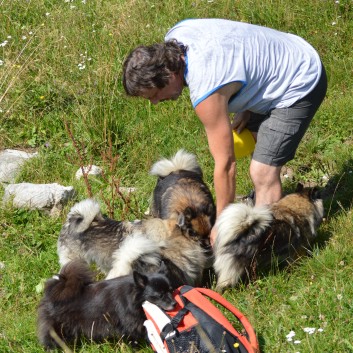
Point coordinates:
[(267, 183), (263, 174)]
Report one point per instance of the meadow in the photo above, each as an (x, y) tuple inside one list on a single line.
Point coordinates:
[(61, 95)]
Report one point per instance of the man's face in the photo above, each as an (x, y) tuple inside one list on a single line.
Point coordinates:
[(170, 92)]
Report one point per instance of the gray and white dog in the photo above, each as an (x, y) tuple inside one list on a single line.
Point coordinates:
[(251, 238), (119, 247)]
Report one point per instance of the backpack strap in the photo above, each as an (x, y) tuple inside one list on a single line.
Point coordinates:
[(174, 322), (158, 325), (195, 295)]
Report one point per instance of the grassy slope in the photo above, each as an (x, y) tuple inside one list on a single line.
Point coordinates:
[(43, 85)]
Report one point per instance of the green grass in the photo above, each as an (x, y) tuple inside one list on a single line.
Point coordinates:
[(61, 66)]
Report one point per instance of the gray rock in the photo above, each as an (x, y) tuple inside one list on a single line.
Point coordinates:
[(11, 162), (46, 197), (90, 170)]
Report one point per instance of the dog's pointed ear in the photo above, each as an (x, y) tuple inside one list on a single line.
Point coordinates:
[(211, 211), (140, 279), (315, 193), (299, 188), (181, 220), (162, 268), (188, 213)]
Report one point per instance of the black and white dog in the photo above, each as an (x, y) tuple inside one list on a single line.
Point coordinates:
[(251, 238), (75, 306)]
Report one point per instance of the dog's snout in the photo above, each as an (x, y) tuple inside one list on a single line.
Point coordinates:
[(206, 243), (171, 305)]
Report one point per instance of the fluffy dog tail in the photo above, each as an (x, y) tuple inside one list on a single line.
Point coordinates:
[(135, 247), (182, 160), (240, 218), (59, 290), (239, 230), (69, 283), (82, 215)]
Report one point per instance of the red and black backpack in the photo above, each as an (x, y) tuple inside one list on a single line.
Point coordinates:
[(197, 325)]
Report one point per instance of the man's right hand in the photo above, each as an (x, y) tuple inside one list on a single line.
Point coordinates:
[(240, 120)]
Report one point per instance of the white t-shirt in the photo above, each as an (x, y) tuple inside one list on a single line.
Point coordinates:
[(276, 69)]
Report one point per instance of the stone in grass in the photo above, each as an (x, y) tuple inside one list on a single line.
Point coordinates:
[(11, 162), (97, 171), (45, 197), (90, 170)]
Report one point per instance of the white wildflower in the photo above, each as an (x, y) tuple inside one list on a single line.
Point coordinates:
[(309, 330), (297, 342), (1, 62), (290, 336)]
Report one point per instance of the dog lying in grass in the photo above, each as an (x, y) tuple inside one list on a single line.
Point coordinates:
[(251, 238), (75, 306), (119, 247)]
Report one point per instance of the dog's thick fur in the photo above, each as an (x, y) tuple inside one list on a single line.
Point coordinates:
[(118, 247), (250, 238), (75, 306), (180, 189)]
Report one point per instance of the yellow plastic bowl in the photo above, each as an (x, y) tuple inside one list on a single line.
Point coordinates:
[(244, 143)]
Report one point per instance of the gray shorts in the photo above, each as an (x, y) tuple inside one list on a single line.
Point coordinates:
[(280, 131)]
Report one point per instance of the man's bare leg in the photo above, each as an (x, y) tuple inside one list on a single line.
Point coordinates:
[(267, 183)]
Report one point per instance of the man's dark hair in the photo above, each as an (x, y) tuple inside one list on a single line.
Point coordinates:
[(151, 66)]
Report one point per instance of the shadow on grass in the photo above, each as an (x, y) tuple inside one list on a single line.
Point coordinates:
[(338, 193), (338, 199)]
